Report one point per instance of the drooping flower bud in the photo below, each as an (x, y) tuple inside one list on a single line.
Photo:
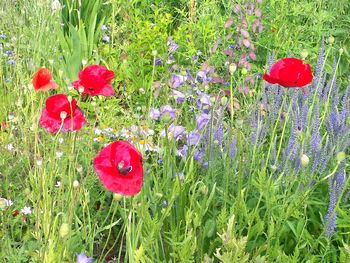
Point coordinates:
[(304, 160)]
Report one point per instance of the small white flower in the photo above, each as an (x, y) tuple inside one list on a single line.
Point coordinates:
[(60, 140), (58, 184), (39, 162), (56, 5), (98, 132), (26, 210), (8, 202), (10, 147), (11, 116), (59, 154)]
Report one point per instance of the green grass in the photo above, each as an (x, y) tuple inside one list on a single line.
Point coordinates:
[(234, 211)]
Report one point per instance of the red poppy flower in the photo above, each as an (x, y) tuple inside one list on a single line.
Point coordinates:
[(96, 80), (289, 72), (42, 80), (119, 166), (57, 109)]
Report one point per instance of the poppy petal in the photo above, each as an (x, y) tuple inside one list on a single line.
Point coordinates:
[(42, 80), (70, 124)]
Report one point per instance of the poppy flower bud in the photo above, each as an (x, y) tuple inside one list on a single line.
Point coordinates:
[(27, 191), (232, 68), (304, 54), (117, 197), (224, 101), (69, 98), (64, 230), (84, 62), (81, 89), (273, 168), (331, 40), (304, 160), (76, 184), (341, 51), (80, 169), (244, 71), (63, 115), (154, 53), (341, 156)]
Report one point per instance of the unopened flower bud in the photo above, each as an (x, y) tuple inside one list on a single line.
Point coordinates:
[(69, 98), (70, 87), (331, 40), (84, 62), (81, 89), (76, 184), (341, 51), (117, 197), (304, 160), (304, 54), (154, 53), (64, 230), (341, 156), (224, 101), (273, 168), (232, 68), (79, 168), (63, 115)]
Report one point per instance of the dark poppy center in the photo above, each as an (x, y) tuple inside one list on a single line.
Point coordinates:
[(123, 170)]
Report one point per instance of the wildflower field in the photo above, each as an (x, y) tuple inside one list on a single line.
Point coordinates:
[(174, 131)]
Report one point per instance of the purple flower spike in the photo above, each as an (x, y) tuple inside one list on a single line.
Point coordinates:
[(167, 111), (177, 80), (154, 114), (158, 61), (82, 258), (193, 138), (202, 121), (179, 96)]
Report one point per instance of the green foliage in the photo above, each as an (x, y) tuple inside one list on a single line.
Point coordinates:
[(209, 215)]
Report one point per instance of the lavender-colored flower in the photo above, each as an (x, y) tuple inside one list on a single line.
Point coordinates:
[(106, 38), (2, 36), (167, 112), (154, 114), (198, 155), (233, 146), (8, 52), (177, 80), (193, 138), (170, 60), (11, 62), (176, 130), (179, 96), (172, 46), (104, 28), (82, 258), (202, 120), (182, 152), (158, 61), (336, 186), (201, 76), (26, 210)]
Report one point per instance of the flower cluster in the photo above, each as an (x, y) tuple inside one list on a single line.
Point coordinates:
[(119, 165)]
